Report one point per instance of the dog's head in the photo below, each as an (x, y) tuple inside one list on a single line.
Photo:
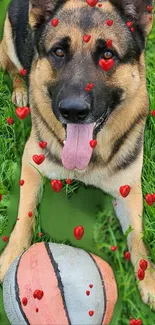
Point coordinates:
[(89, 62)]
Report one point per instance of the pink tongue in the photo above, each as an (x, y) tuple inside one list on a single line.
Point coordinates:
[(77, 151)]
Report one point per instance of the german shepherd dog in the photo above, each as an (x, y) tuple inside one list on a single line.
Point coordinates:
[(86, 81)]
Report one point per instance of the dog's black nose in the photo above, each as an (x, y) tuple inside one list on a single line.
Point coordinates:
[(74, 109)]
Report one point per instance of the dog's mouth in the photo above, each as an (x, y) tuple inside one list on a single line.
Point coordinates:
[(77, 151)]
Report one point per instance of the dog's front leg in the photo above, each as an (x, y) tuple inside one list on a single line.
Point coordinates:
[(22, 233), (129, 210)]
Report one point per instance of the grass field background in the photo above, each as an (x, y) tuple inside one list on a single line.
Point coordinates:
[(104, 229)]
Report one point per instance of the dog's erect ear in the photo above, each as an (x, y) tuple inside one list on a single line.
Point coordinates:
[(138, 11), (41, 10)]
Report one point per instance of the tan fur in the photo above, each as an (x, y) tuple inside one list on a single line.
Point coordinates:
[(10, 62), (101, 171)]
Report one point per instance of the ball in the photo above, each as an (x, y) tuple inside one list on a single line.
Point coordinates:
[(59, 284)]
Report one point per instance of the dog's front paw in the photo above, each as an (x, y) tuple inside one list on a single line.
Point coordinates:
[(20, 97), (9, 254), (147, 288)]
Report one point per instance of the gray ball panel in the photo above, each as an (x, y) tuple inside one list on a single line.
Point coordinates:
[(11, 304), (78, 271)]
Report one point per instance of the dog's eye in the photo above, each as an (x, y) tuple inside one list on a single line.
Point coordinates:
[(107, 55), (59, 52)]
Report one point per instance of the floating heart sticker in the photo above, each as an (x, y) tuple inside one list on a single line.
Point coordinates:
[(86, 38), (38, 159), (56, 185), (149, 199), (42, 144), (149, 8), (22, 112), (91, 313), (100, 5), (113, 248), (141, 274), (92, 3), (78, 232), (125, 190), (68, 181), (106, 65), (24, 301), (5, 238), (109, 22), (93, 143), (129, 24), (152, 112), (54, 22), (127, 256), (10, 120), (135, 321), (21, 182), (38, 294), (109, 43), (23, 72), (143, 264)]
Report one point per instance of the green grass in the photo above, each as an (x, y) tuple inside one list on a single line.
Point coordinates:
[(107, 231)]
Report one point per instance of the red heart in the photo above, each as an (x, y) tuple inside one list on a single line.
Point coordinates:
[(149, 199), (10, 120), (153, 112), (135, 321), (109, 43), (0, 197), (129, 24), (143, 264), (54, 22), (150, 8), (21, 182), (22, 112), (38, 294), (24, 301), (91, 286), (92, 3), (68, 181), (5, 238), (109, 22), (100, 5), (56, 185), (125, 190), (127, 256), (86, 38), (106, 65), (42, 144), (78, 232), (113, 248), (141, 274), (91, 313), (38, 159), (23, 72), (93, 143), (138, 322), (30, 214)]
